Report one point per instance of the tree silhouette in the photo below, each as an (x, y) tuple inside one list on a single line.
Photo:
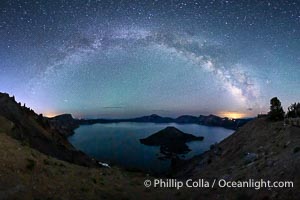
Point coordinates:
[(276, 112), (293, 110)]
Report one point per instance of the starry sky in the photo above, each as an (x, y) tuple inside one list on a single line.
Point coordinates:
[(115, 59)]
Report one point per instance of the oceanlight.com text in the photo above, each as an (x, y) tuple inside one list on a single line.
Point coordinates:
[(222, 183)]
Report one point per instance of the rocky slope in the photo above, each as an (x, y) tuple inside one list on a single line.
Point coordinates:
[(38, 132), (29, 169), (26, 173), (259, 150)]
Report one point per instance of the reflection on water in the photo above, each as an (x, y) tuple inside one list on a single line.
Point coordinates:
[(118, 143)]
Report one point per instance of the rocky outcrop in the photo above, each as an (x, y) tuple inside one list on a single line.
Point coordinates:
[(171, 140), (64, 124)]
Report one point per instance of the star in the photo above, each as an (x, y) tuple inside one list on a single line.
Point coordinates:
[(182, 57)]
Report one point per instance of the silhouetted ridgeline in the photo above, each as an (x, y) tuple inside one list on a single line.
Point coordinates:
[(44, 134), (211, 120), (65, 123)]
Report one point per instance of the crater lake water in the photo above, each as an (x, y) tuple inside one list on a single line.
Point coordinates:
[(118, 143)]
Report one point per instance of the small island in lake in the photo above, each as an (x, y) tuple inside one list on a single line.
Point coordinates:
[(171, 140)]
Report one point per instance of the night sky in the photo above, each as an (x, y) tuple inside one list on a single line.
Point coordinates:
[(113, 59)]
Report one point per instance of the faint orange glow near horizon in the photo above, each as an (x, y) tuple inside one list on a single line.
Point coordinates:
[(50, 114), (232, 115)]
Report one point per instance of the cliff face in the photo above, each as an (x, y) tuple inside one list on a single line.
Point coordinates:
[(259, 150), (64, 124), (40, 133)]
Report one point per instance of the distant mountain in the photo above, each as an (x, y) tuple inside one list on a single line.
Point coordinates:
[(211, 120), (187, 119), (153, 118)]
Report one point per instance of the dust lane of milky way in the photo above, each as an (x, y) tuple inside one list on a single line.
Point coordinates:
[(129, 58)]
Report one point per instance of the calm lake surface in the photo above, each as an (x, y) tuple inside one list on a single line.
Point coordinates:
[(118, 143)]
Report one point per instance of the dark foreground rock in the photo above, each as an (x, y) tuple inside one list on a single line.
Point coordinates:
[(260, 150), (65, 124), (39, 132)]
